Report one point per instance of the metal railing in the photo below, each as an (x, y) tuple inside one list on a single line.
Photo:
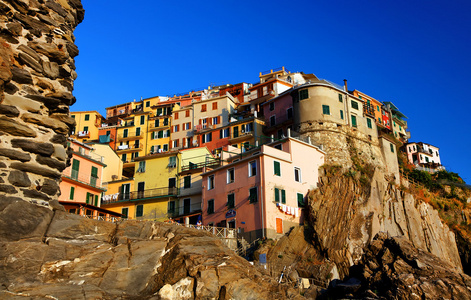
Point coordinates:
[(184, 210), (211, 162), (139, 195), (77, 176), (130, 135)]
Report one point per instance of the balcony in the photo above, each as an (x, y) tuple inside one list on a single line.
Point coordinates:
[(83, 134), (141, 195), (129, 148), (203, 127), (130, 136), (213, 162), (184, 210), (369, 110), (164, 126), (82, 178), (241, 137)]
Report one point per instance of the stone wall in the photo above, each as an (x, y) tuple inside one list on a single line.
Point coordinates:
[(37, 71)]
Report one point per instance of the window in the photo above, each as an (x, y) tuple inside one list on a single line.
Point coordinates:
[(253, 195), (377, 107), (300, 199), (143, 120), (147, 103), (187, 182), (426, 159), (210, 182), (230, 201), (289, 113), (172, 161), (230, 175), (87, 117), (206, 138), (139, 210), (325, 109), (72, 191), (215, 105), (203, 107), (297, 174), (166, 122), (85, 128), (280, 193), (392, 147), (159, 111), (224, 133), (171, 207), (277, 168), (187, 126), (252, 168), (176, 128), (354, 104), (157, 123), (340, 98), (187, 113), (354, 121), (303, 94), (75, 168), (176, 116), (138, 131), (235, 131), (124, 212), (341, 114), (142, 167), (215, 120), (124, 157), (165, 147), (125, 133), (272, 121), (210, 206), (272, 106), (368, 123)]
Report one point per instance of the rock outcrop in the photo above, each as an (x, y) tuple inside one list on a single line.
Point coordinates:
[(57, 255), (37, 71), (393, 268), (348, 210)]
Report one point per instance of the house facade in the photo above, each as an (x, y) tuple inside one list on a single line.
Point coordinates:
[(261, 191)]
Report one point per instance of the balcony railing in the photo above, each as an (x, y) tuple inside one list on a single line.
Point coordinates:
[(184, 210), (130, 135), (209, 163), (129, 148), (139, 195), (369, 109), (77, 176)]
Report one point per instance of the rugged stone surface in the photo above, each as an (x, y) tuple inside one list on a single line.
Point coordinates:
[(36, 81), (346, 213), (392, 268), (54, 254)]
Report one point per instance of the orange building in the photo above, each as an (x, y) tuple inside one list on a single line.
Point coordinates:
[(81, 185)]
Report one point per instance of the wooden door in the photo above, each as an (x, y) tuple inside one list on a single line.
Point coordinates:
[(279, 225)]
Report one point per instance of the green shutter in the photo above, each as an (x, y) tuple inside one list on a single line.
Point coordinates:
[(187, 182), (341, 114), (368, 122), (124, 212), (354, 121), (94, 172), (168, 132), (276, 165), (340, 98), (96, 200), (75, 165), (165, 121), (139, 211), (300, 200), (283, 196), (277, 195), (72, 191), (161, 134), (88, 196)]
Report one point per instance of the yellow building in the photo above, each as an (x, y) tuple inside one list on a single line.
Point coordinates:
[(158, 191), (86, 125), (118, 197)]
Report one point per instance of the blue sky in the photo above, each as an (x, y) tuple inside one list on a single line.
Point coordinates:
[(413, 53)]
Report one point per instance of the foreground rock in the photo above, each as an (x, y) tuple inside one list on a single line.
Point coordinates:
[(394, 269), (45, 254)]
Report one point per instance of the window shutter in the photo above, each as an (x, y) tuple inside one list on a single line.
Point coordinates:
[(276, 166), (277, 195), (72, 191), (283, 197), (300, 200), (96, 200), (94, 172)]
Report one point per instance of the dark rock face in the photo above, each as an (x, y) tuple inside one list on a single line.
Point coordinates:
[(36, 82), (54, 254), (394, 269)]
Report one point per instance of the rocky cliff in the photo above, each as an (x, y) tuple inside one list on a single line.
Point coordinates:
[(349, 209), (54, 254), (37, 70)]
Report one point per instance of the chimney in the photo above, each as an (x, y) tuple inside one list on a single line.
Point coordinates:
[(345, 85)]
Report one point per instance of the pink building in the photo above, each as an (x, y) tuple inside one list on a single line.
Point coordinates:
[(261, 191), (278, 114), (424, 156)]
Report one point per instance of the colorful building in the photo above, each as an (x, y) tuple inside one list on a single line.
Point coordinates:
[(86, 125), (261, 191), (424, 156), (81, 185)]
